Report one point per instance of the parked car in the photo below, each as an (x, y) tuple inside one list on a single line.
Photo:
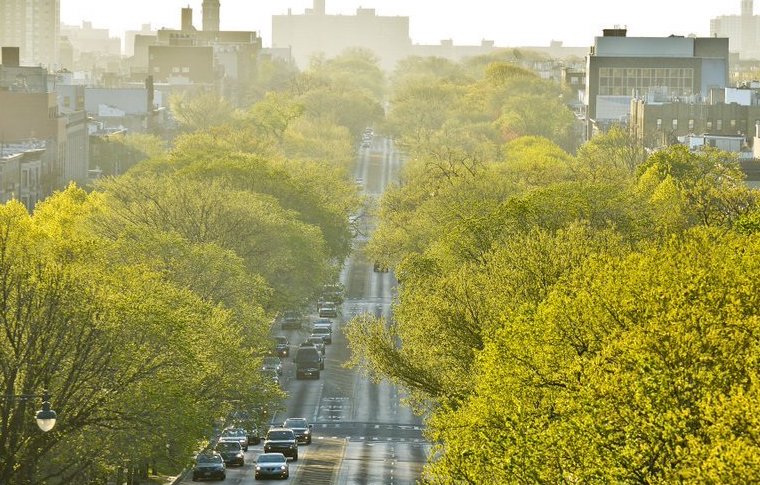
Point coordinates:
[(272, 465), (308, 362), (231, 452), (281, 440), (235, 434), (272, 363), (323, 331), (282, 346), (300, 427), (209, 465)]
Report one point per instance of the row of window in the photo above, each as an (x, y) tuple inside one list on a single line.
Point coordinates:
[(619, 81), (709, 125)]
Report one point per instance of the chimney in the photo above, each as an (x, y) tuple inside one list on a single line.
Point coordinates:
[(211, 15), (10, 57), (187, 19), (319, 7)]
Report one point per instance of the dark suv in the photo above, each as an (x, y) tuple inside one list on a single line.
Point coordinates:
[(308, 362), (301, 428), (281, 440)]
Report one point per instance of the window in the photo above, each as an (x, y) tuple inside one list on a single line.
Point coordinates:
[(709, 125), (659, 123), (675, 123), (733, 123), (719, 125), (691, 124)]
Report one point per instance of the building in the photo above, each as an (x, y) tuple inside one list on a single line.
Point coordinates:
[(316, 32), (129, 38), (31, 117), (619, 68), (742, 30), (34, 26), (89, 43), (189, 58), (729, 113), (21, 169)]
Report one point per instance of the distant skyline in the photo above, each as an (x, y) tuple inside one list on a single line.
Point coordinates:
[(466, 22)]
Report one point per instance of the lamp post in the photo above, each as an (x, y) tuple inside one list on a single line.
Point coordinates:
[(46, 416)]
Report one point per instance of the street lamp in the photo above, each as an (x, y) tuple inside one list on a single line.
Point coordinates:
[(45, 417)]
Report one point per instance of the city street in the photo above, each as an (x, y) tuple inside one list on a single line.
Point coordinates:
[(362, 431)]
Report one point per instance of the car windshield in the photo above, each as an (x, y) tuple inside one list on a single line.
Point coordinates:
[(270, 458), (271, 361), (281, 340), (233, 432), (321, 330), (295, 423), (228, 446), (208, 459), (280, 435)]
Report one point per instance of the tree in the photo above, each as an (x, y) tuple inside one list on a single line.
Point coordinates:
[(201, 111), (287, 254)]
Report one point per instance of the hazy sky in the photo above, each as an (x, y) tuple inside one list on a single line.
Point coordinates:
[(508, 22)]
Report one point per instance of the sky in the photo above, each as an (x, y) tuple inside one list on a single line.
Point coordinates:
[(467, 22)]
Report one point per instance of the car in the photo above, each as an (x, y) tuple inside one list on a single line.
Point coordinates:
[(301, 428), (308, 362), (281, 440), (332, 293), (272, 465), (323, 331), (318, 342), (231, 452), (320, 353), (272, 363), (209, 465), (237, 434), (247, 420), (322, 322), (328, 309), (290, 320), (281, 346)]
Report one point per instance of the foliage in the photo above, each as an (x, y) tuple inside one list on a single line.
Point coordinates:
[(200, 111), (562, 318)]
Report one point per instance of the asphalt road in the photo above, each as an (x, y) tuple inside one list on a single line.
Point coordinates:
[(363, 433)]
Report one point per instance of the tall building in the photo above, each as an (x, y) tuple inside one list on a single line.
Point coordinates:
[(742, 30), (211, 15), (315, 33), (34, 26), (620, 68)]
